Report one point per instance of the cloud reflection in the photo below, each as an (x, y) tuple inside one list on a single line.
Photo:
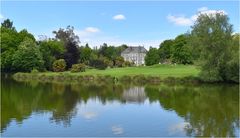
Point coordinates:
[(117, 130), (89, 115), (178, 128)]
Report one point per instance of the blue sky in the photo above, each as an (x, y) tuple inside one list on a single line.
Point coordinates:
[(114, 22)]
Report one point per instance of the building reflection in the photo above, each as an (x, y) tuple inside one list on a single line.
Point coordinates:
[(134, 95)]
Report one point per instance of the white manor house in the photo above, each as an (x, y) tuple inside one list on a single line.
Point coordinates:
[(135, 54)]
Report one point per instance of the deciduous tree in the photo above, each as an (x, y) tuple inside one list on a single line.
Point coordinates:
[(152, 57), (27, 57), (51, 50), (71, 41), (214, 35)]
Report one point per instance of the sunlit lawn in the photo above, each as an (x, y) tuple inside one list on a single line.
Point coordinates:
[(156, 70)]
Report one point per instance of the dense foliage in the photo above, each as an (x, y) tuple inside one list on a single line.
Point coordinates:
[(51, 50), (174, 51), (219, 54), (113, 54), (78, 68), (86, 54), (152, 57), (181, 54), (21, 52), (210, 45), (27, 57), (98, 63), (71, 41), (10, 41), (59, 65), (8, 24), (165, 51)]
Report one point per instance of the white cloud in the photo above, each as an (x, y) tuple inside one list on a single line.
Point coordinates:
[(119, 17), (92, 29), (1, 17), (88, 31), (187, 21), (213, 12), (179, 20), (203, 9)]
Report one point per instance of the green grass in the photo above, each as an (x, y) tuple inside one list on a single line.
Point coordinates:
[(162, 71), (157, 70)]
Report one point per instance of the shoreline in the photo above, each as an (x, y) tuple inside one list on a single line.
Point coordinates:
[(66, 77)]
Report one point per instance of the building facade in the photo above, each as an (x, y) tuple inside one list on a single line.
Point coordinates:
[(135, 55)]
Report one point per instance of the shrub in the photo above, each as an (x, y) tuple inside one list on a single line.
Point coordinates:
[(59, 65), (119, 61), (34, 71), (108, 62), (78, 68), (128, 64), (98, 63)]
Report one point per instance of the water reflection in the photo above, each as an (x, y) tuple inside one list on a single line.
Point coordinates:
[(117, 129), (207, 110), (134, 94), (89, 115), (178, 128)]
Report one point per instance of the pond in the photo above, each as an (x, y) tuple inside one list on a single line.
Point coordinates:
[(103, 109)]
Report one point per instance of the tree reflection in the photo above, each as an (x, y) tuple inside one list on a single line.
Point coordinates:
[(209, 110)]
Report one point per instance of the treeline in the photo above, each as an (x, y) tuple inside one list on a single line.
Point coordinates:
[(211, 45), (20, 52), (171, 51)]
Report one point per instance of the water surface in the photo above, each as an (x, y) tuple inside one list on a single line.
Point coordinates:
[(54, 109)]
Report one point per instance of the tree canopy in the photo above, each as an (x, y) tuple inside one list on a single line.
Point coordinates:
[(27, 57), (218, 55), (152, 57)]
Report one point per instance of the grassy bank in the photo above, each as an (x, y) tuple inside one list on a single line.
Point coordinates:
[(156, 73), (156, 70)]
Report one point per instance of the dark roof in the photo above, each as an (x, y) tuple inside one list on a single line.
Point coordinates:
[(134, 49)]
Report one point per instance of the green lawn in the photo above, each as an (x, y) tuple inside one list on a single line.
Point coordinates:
[(156, 70)]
